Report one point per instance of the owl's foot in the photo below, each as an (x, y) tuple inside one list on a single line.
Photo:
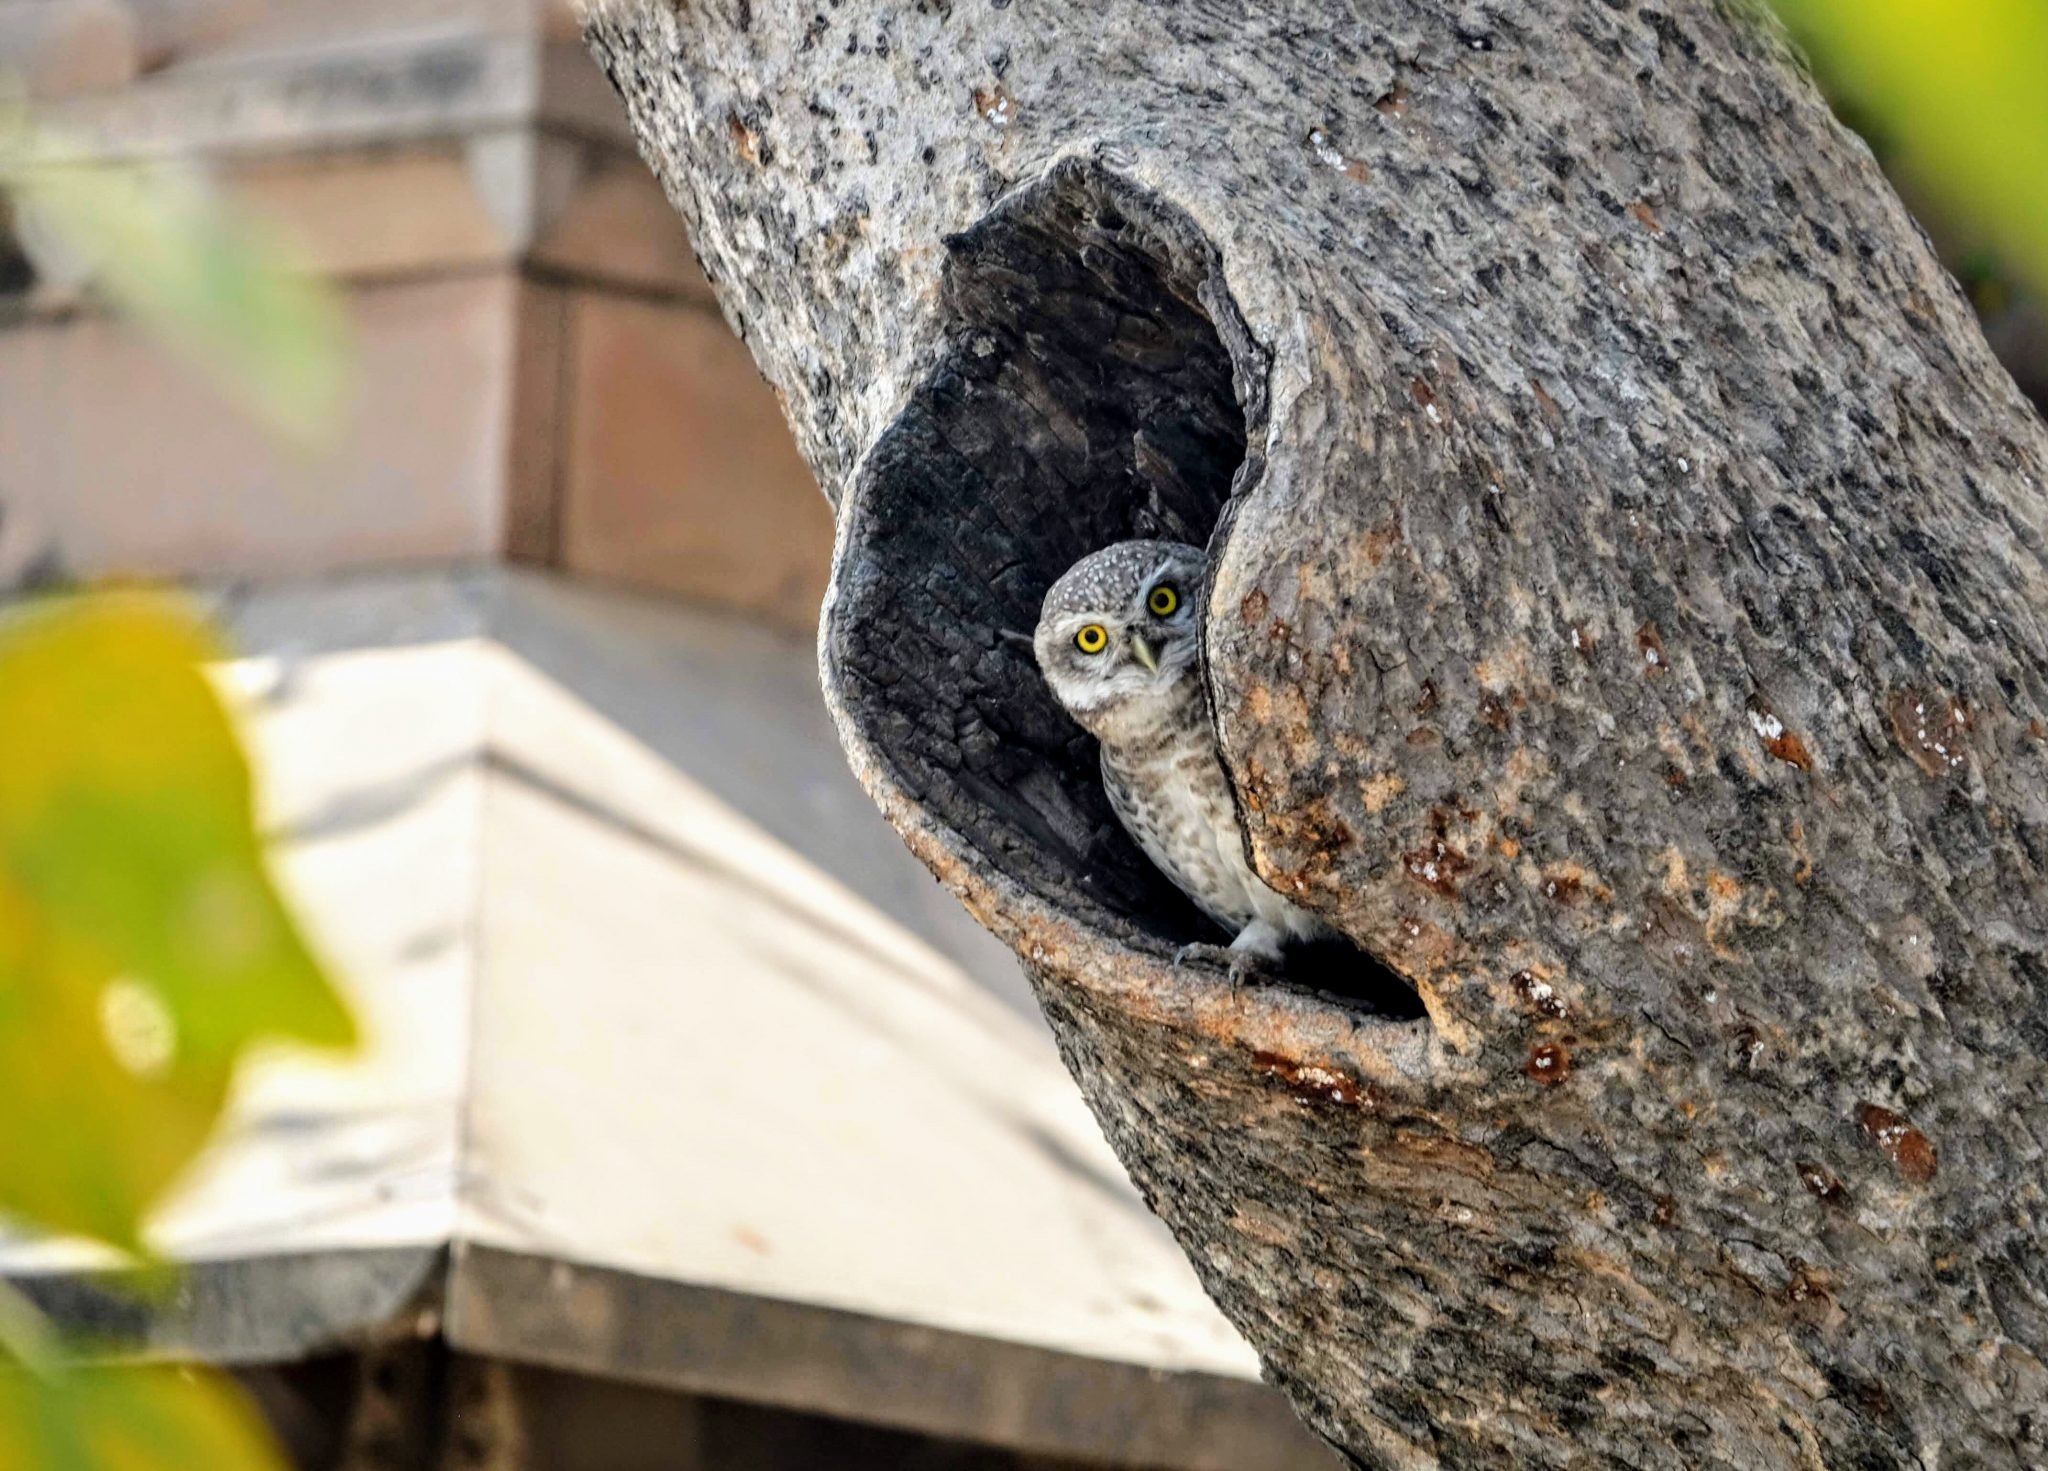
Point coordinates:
[(1240, 965), (1246, 965)]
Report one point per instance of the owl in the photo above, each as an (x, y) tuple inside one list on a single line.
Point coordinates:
[(1119, 643)]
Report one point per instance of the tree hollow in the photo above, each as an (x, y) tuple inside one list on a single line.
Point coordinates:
[(1093, 384)]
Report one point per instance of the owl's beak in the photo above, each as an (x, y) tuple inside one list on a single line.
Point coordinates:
[(1146, 654)]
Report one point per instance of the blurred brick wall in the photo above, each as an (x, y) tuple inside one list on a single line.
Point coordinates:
[(541, 371)]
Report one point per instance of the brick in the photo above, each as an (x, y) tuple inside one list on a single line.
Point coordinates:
[(534, 469), (619, 229), (381, 213), (130, 462), (680, 473)]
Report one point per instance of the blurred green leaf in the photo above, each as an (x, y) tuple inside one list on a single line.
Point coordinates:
[(128, 1419), (201, 274), (1957, 95), (142, 946)]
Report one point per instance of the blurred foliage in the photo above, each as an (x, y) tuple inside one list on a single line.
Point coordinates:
[(202, 275), (148, 1418), (1954, 99), (141, 945), (143, 948)]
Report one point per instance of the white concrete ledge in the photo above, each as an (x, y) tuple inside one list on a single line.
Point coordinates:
[(688, 1068)]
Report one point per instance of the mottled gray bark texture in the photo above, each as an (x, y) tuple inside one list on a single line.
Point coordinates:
[(1628, 627)]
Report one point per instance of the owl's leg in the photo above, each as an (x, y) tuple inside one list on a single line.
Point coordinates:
[(1261, 940), (1257, 947)]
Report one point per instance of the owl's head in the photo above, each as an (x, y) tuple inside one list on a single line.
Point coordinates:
[(1119, 637)]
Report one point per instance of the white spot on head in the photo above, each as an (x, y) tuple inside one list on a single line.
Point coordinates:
[(1767, 725)]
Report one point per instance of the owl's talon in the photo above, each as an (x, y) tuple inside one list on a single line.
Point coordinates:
[(1238, 965)]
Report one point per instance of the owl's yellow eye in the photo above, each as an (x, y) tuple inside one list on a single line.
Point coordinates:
[(1164, 599), (1092, 639)]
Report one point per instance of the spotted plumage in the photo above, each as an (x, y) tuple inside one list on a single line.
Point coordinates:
[(1119, 643)]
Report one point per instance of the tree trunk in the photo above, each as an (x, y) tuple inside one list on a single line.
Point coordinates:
[(1626, 627)]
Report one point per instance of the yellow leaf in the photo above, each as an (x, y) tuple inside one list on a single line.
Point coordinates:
[(1954, 98), (201, 274), (142, 945)]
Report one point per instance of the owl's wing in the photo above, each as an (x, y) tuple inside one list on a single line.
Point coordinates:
[(1125, 806), (1145, 823)]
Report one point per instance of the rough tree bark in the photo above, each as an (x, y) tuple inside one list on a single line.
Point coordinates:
[(1627, 628)]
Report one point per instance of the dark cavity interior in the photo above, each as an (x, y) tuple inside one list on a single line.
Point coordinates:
[(1084, 395)]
